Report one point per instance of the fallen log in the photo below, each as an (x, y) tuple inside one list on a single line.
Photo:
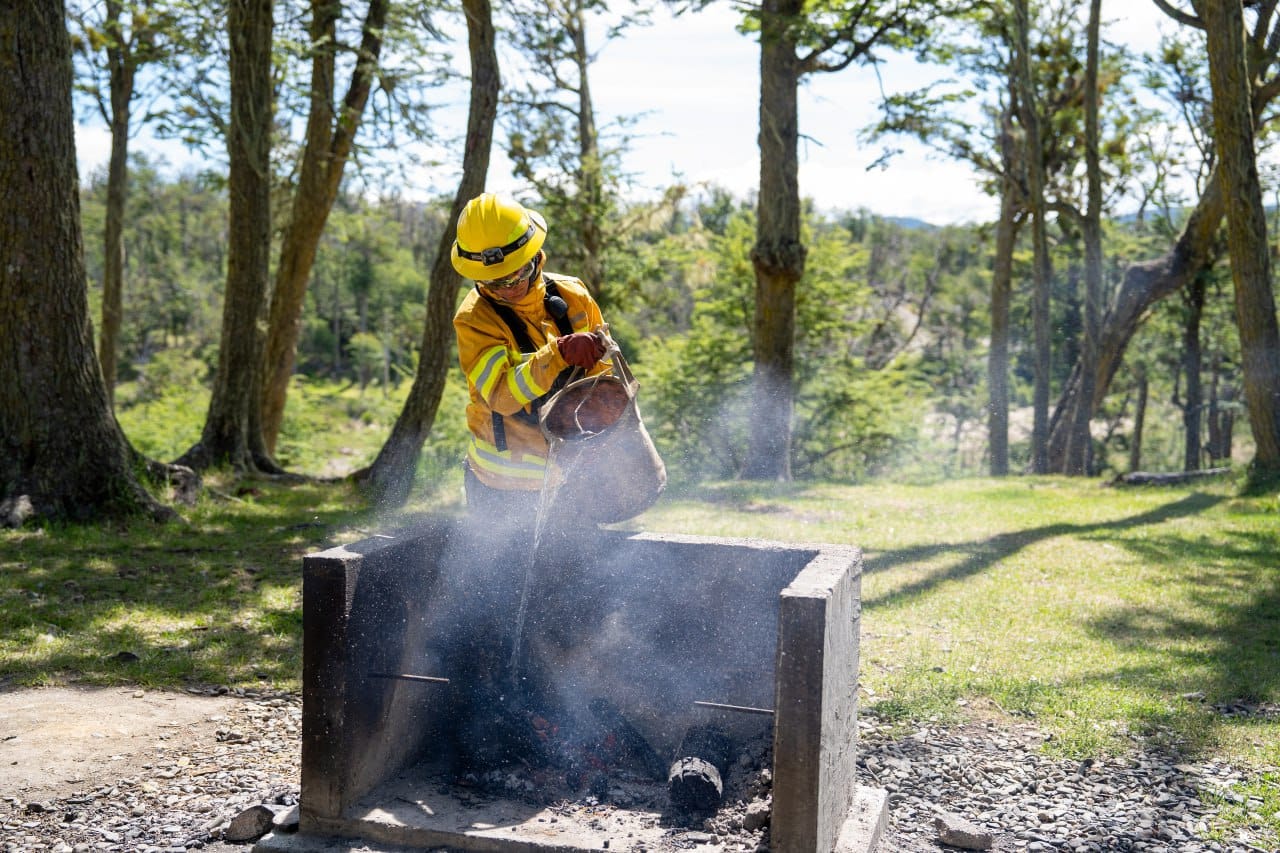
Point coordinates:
[(1174, 478)]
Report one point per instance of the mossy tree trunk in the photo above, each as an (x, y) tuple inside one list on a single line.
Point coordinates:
[(121, 69), (1029, 114), (62, 454), (232, 434), (1079, 450), (779, 254), (1001, 295), (331, 133), (1246, 227), (390, 478), (1144, 284), (1192, 354)]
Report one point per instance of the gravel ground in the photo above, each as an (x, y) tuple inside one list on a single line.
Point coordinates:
[(998, 779), (993, 776), (183, 794)]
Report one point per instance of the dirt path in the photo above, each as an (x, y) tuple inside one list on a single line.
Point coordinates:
[(56, 741), (124, 769)]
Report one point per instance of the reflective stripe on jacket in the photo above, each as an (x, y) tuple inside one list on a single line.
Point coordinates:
[(505, 381)]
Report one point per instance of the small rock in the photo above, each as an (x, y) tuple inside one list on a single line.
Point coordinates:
[(15, 511), (758, 815), (958, 832), (250, 825), (286, 820)]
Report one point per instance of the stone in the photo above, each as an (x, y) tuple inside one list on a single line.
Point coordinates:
[(15, 511), (250, 825), (757, 815), (958, 832), (286, 820)]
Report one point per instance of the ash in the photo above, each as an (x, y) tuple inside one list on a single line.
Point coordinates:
[(741, 823)]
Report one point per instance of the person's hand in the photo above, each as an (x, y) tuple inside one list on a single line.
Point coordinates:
[(581, 349)]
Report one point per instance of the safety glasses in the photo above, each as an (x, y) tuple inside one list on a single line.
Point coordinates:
[(507, 282)]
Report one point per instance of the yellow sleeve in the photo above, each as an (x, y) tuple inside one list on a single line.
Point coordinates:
[(505, 379)]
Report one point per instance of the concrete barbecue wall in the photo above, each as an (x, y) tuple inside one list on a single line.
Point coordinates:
[(653, 622)]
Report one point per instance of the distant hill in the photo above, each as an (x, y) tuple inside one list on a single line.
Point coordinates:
[(910, 222)]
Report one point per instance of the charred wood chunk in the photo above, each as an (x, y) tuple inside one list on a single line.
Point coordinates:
[(494, 730), (695, 782), (694, 785), (710, 743), (599, 787), (633, 744)]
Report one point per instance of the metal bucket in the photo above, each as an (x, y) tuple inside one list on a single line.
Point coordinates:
[(603, 466)]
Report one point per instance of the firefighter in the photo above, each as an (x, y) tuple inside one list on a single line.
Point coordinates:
[(521, 330)]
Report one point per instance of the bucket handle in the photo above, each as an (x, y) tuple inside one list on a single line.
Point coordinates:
[(622, 371)]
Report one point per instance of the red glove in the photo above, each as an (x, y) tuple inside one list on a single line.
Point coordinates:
[(581, 349)]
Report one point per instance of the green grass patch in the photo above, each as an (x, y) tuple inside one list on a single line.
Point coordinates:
[(212, 600)]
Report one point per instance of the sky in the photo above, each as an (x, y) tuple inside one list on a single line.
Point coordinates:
[(694, 83)]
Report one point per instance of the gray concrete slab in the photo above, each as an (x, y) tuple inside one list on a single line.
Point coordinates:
[(866, 822), (419, 825)]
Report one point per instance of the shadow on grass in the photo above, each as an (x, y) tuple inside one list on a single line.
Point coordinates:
[(1202, 653), (1229, 639), (213, 602), (980, 555)]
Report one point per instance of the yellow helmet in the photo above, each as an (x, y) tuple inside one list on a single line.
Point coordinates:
[(496, 236)]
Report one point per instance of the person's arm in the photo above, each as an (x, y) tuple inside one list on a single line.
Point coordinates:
[(493, 367)]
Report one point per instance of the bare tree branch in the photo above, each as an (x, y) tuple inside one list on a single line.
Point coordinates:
[(1184, 18)]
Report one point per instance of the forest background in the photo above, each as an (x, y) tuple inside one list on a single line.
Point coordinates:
[(893, 317)]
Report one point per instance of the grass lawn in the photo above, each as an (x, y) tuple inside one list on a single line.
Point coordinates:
[(1109, 615)]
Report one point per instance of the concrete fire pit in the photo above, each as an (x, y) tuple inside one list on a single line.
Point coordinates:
[(650, 623)]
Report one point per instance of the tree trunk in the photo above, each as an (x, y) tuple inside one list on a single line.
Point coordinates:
[(998, 355), (1029, 114), (591, 177), (62, 454), (1221, 416), (1144, 284), (778, 255), (1079, 451), (336, 327), (389, 479), (232, 430), (121, 70), (1193, 405), (1246, 228), (1139, 423), (330, 137)]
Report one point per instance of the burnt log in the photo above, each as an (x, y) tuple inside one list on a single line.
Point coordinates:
[(496, 730), (695, 781), (694, 786), (632, 744)]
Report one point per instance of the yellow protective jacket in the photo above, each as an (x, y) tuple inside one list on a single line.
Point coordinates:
[(507, 383)]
